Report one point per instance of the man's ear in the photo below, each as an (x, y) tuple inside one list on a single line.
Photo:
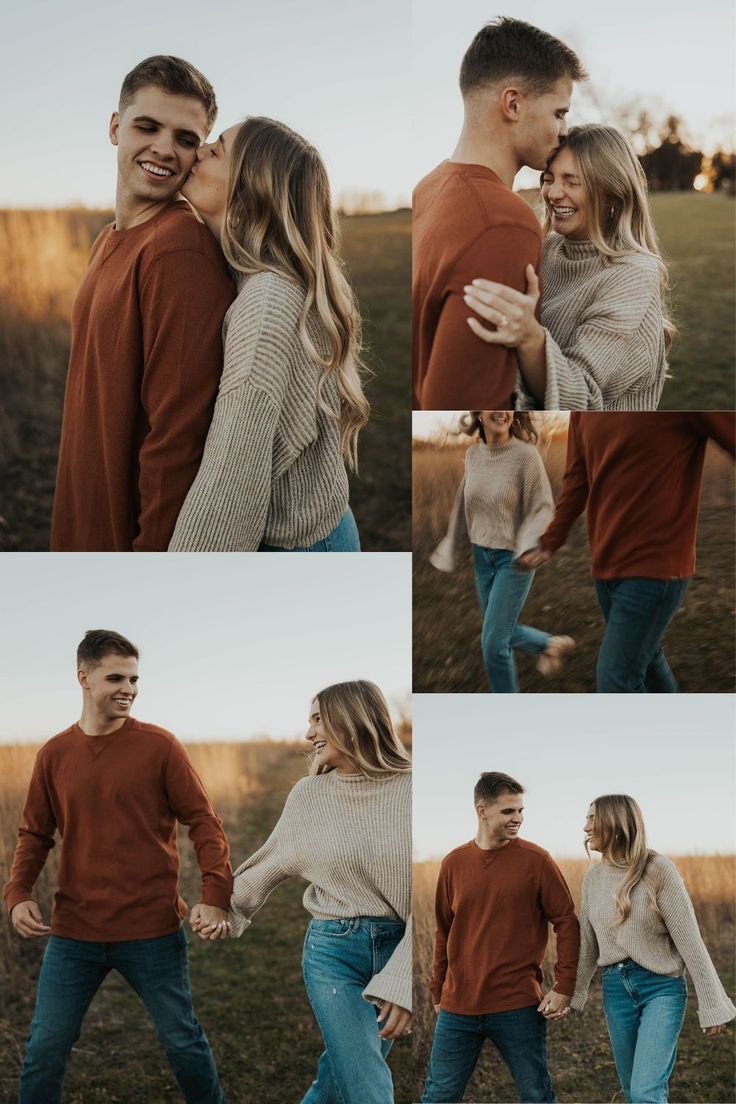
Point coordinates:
[(511, 101), (82, 678), (114, 127)]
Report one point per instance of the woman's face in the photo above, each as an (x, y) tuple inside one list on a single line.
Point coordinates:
[(496, 423), (326, 754), (206, 185), (593, 842), (564, 197)]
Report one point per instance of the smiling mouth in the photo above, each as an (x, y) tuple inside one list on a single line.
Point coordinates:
[(123, 701), (319, 744), (155, 172), (564, 212)]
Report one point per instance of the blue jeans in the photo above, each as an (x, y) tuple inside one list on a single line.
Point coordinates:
[(343, 538), (637, 613), (71, 973), (521, 1037), (340, 958), (502, 591), (644, 1013)]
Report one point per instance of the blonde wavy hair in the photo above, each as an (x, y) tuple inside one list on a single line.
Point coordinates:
[(522, 426), (280, 219), (618, 826), (615, 188), (357, 721)]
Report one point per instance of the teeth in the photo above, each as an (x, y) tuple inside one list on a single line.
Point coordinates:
[(155, 169), (564, 210)]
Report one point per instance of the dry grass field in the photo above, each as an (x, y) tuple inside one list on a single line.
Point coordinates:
[(699, 641), (43, 255), (579, 1052), (248, 993)]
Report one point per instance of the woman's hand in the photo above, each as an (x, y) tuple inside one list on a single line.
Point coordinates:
[(396, 1021), (714, 1030), (509, 310), (209, 922)]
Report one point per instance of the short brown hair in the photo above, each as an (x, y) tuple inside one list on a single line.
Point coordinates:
[(492, 784), (511, 48), (173, 75), (98, 643)]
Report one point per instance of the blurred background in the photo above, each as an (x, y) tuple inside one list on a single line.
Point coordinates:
[(661, 72), (313, 67), (676, 757)]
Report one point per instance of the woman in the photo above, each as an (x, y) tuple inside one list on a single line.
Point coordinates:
[(637, 922), (604, 333), (290, 404), (504, 502), (347, 830)]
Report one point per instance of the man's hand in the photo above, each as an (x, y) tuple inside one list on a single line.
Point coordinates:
[(27, 920), (209, 921), (532, 559), (436, 1009), (554, 1005), (396, 1021)]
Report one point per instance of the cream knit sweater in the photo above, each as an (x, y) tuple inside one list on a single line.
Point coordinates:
[(272, 470), (503, 501), (604, 337), (349, 836), (664, 944)]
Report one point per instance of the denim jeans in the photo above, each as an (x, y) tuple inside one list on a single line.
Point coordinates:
[(521, 1037), (343, 538), (71, 973), (644, 1012), (502, 592), (637, 613), (340, 958)]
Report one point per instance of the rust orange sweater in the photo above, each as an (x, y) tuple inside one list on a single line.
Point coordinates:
[(144, 368), (115, 801), (466, 224), (638, 478), (492, 910)]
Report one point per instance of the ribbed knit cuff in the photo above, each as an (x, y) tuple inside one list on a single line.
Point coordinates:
[(389, 987), (719, 1014)]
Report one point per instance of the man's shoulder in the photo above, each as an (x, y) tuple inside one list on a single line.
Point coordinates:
[(470, 197), (533, 851), (177, 229), (58, 744), (458, 855), (154, 732)]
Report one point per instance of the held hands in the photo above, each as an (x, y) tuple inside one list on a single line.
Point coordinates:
[(554, 1006), (510, 311), (535, 557), (396, 1021), (717, 1030), (209, 922), (27, 920)]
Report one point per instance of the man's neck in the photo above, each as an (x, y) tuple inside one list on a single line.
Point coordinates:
[(487, 842), (488, 149), (130, 212), (92, 724)]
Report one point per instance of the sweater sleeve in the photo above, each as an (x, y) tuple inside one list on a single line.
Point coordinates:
[(676, 908), (444, 557), (588, 957), (35, 840), (537, 506), (558, 907), (227, 506), (618, 347), (573, 493), (393, 982), (183, 299), (443, 915), (191, 806), (259, 875)]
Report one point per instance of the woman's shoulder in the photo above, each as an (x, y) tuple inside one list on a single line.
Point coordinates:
[(269, 291)]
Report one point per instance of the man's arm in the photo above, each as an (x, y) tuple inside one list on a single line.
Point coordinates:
[(35, 840), (557, 905), (573, 492), (463, 371), (184, 297), (720, 426), (443, 922)]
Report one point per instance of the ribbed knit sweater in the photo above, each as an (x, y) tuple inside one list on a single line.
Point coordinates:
[(272, 470), (504, 501), (604, 336), (664, 944), (349, 836)]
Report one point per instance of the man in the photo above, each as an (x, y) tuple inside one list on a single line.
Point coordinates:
[(115, 788), (495, 898), (516, 83), (638, 478), (146, 354)]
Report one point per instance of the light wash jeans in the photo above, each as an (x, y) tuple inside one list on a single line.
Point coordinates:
[(71, 973), (502, 592), (644, 1012), (519, 1035), (340, 958), (637, 613), (343, 538)]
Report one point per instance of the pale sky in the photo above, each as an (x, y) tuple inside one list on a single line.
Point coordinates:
[(232, 646), (676, 58), (675, 755), (335, 70)]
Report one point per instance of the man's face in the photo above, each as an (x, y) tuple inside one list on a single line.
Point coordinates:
[(542, 124), (503, 817), (157, 137), (111, 687)]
